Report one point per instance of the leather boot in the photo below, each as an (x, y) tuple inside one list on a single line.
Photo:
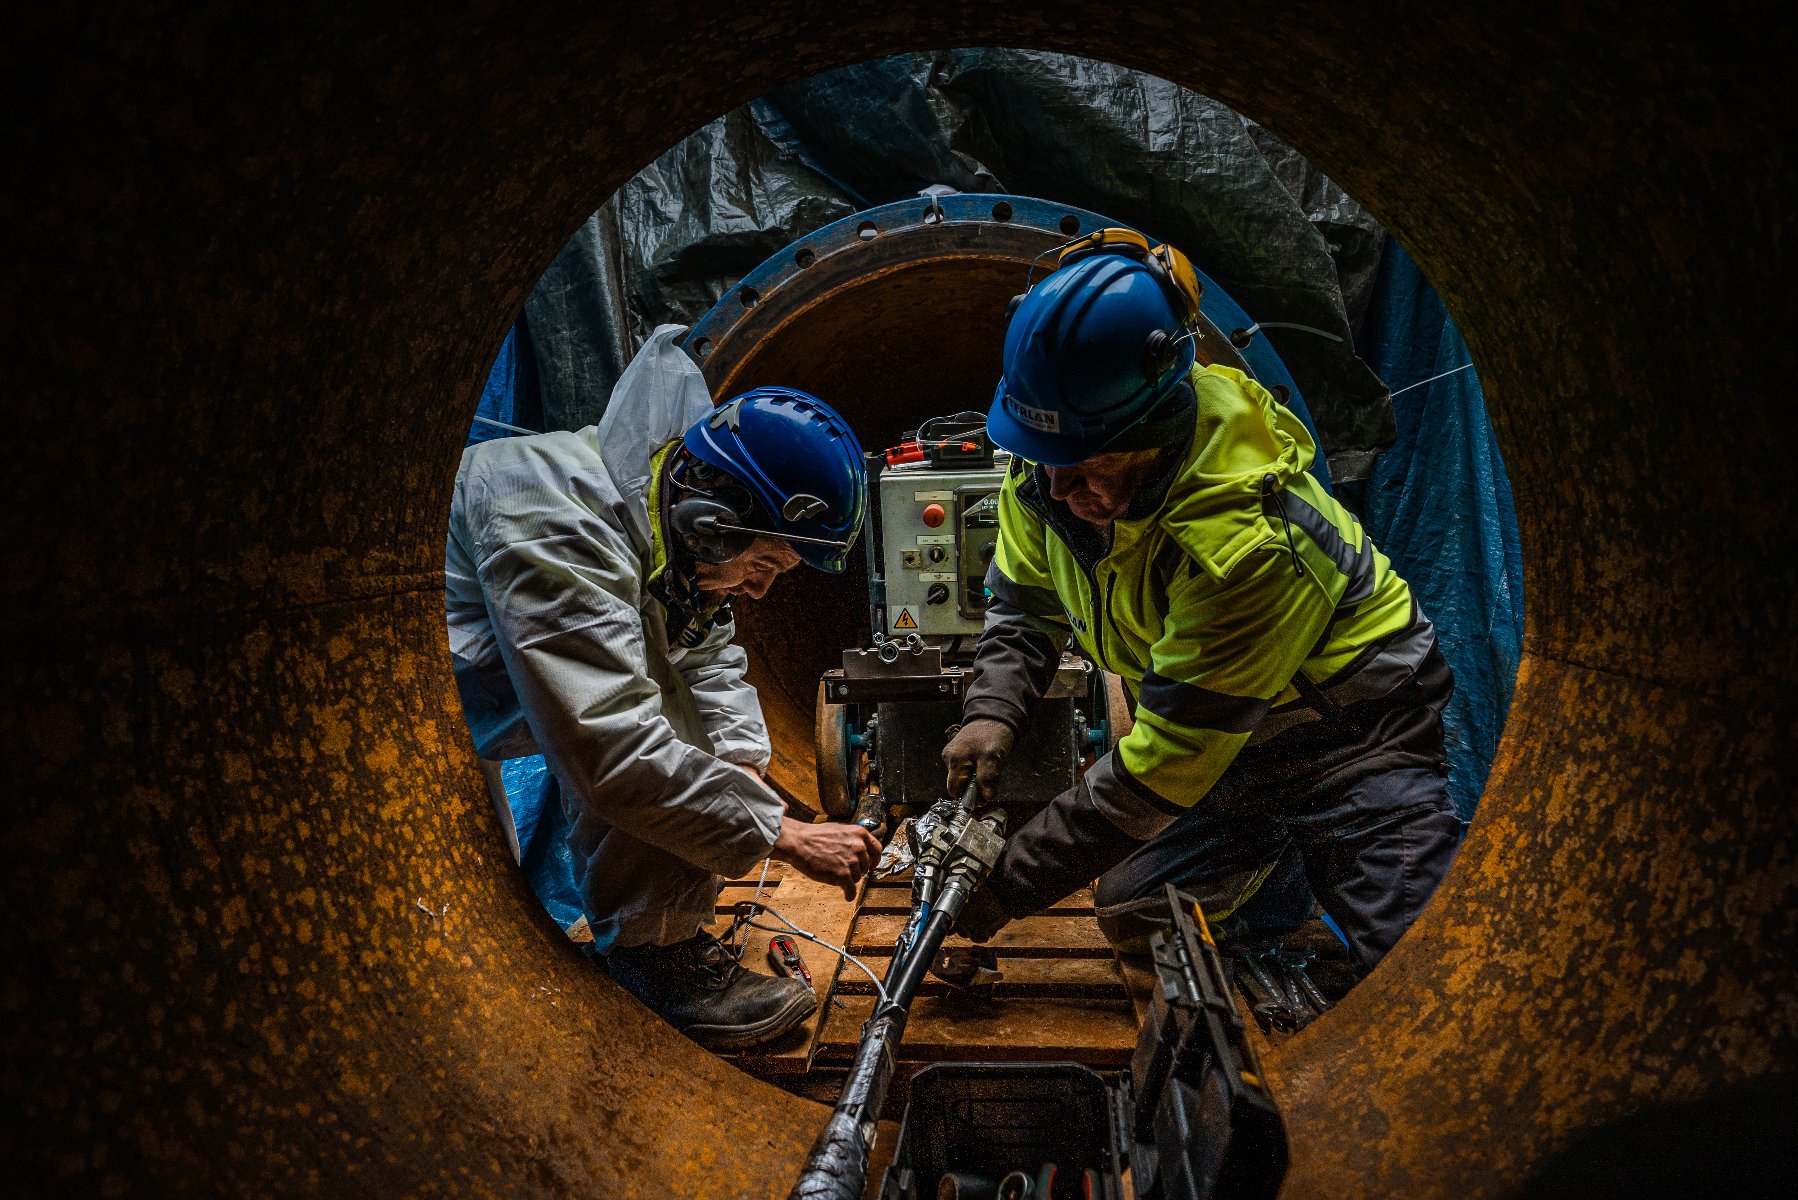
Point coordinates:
[(697, 987)]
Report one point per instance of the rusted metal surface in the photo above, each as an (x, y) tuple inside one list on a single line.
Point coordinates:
[(260, 265)]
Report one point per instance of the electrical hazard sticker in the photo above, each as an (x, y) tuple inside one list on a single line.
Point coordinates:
[(905, 620)]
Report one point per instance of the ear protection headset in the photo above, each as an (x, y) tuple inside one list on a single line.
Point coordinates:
[(1172, 270), (712, 524)]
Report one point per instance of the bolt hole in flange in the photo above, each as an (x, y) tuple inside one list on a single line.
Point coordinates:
[(867, 231), (1001, 211), (1070, 225), (804, 259), (748, 297)]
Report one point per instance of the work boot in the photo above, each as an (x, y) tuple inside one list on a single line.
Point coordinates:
[(697, 987)]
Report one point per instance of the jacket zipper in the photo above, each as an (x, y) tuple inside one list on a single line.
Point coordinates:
[(1099, 615), (1101, 610)]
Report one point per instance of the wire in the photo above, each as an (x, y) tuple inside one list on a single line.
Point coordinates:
[(1241, 336), (503, 425), (755, 902), (879, 987), (1433, 379), (1030, 275)]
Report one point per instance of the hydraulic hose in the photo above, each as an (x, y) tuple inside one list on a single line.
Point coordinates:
[(837, 1167), (965, 849)]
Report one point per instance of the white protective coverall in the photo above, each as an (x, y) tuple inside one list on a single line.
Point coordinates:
[(561, 649)]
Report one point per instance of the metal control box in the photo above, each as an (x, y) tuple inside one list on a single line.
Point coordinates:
[(938, 529)]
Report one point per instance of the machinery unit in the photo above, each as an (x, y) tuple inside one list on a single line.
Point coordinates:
[(884, 717), (937, 499)]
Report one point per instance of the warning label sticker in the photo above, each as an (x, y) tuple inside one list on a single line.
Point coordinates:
[(905, 620)]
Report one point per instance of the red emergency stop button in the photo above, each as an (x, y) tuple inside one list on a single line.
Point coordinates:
[(933, 515)]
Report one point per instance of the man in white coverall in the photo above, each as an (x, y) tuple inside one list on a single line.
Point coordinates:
[(590, 576)]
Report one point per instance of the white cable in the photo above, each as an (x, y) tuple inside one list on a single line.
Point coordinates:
[(503, 425), (1433, 379), (1250, 331), (754, 903), (879, 988)]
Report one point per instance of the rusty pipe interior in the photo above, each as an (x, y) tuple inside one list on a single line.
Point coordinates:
[(267, 940)]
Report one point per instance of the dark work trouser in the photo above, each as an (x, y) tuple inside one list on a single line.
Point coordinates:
[(1354, 813)]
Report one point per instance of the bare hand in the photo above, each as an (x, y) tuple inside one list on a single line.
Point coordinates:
[(830, 852), (976, 753)]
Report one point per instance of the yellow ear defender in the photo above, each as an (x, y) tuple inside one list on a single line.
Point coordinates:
[(1172, 269), (1169, 268)]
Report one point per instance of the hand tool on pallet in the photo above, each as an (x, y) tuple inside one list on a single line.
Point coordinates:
[(956, 849), (783, 956)]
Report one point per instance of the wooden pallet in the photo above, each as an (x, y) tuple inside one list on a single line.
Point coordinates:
[(819, 910), (1062, 996)]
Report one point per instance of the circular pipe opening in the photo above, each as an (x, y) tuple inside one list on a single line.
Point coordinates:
[(265, 681)]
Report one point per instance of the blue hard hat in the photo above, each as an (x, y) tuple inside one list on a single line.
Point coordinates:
[(1090, 351), (800, 463)]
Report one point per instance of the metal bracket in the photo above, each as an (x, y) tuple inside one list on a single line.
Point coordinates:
[(1071, 678)]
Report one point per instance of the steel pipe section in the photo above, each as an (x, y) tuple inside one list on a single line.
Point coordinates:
[(265, 938), (894, 315)]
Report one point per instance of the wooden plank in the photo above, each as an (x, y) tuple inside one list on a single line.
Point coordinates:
[(1138, 973), (819, 909), (1094, 1032), (746, 886), (1035, 937), (1034, 978), (899, 906), (1061, 996)]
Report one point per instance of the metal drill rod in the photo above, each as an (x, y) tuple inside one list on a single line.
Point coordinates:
[(837, 1167)]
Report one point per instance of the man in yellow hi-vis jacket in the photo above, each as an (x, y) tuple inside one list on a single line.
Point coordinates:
[(1287, 688)]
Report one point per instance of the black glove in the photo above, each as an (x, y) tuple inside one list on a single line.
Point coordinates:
[(1056, 853), (976, 753), (982, 916)]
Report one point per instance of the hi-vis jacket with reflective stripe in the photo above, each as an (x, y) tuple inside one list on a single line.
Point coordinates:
[(1245, 603)]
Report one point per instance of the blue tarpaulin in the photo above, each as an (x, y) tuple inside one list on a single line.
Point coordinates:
[(1439, 504), (511, 396), (543, 829)]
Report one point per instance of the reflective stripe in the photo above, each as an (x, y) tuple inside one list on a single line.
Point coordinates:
[(999, 613), (1357, 566), (1124, 801), (1199, 707), (1378, 675), (1397, 660), (1036, 601), (1283, 720)]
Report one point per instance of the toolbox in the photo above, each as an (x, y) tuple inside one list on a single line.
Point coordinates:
[(1191, 1120)]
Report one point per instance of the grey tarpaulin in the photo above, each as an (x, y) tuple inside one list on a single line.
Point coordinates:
[(1274, 232), (665, 247)]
